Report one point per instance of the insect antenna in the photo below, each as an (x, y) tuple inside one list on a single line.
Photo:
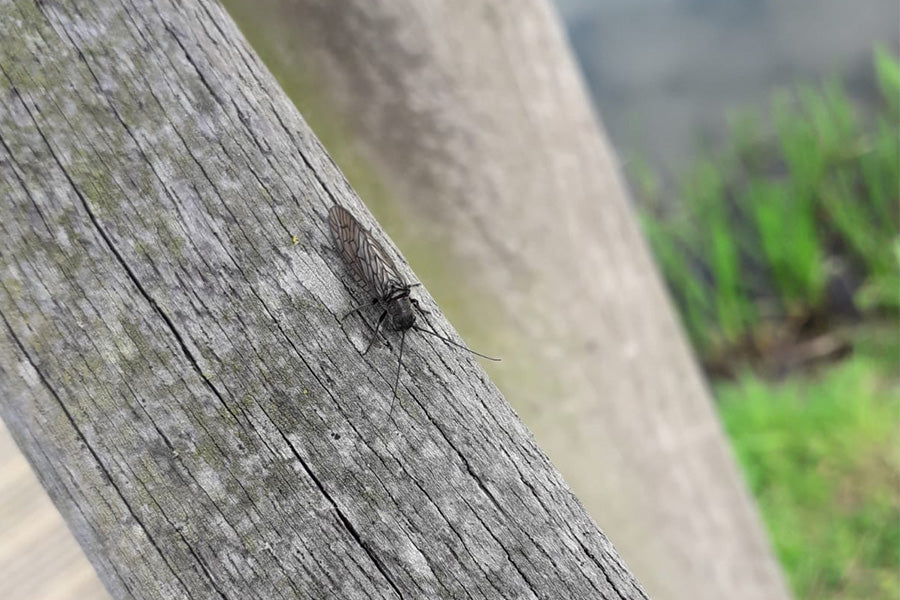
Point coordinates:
[(451, 342)]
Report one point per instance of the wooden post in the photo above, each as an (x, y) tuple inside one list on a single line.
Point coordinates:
[(173, 364), (474, 121)]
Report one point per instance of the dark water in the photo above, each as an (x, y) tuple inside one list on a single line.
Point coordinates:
[(665, 72)]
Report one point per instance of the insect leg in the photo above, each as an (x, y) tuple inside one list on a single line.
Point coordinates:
[(397, 378), (377, 329), (359, 308), (419, 306)]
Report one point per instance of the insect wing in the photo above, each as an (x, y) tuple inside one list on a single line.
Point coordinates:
[(370, 264)]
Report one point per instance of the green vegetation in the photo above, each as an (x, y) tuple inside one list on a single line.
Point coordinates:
[(821, 456), (784, 240), (784, 233)]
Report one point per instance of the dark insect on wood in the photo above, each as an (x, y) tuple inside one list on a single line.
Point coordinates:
[(373, 270)]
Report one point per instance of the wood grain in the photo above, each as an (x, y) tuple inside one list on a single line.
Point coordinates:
[(173, 365)]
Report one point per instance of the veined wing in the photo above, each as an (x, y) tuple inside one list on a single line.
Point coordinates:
[(371, 266)]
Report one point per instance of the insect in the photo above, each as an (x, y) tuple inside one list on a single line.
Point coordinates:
[(373, 269)]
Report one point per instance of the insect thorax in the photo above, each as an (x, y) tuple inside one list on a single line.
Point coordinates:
[(401, 313)]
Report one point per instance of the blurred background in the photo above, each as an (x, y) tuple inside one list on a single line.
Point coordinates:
[(760, 143), (768, 131)]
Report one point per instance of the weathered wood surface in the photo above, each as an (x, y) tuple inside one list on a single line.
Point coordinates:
[(174, 366), (474, 116)]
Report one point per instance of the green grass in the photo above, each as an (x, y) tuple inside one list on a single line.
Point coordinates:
[(763, 229), (822, 458)]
